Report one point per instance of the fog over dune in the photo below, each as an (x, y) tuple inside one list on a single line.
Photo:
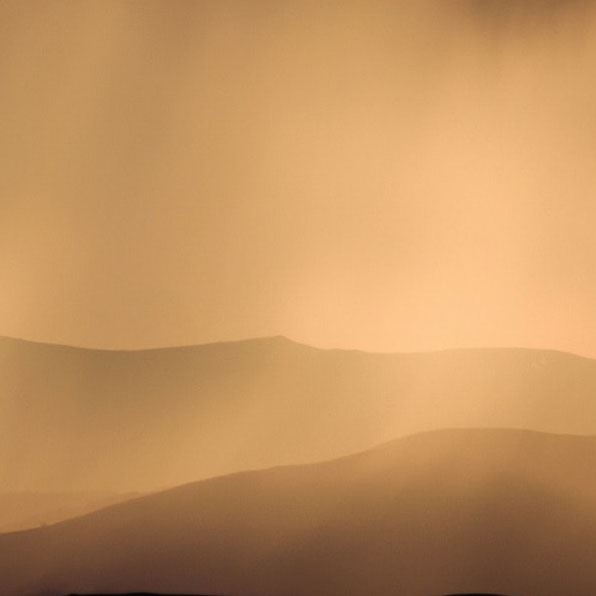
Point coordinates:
[(26, 510), (297, 297), (467, 511), (80, 420)]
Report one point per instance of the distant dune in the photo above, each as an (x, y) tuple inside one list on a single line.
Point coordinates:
[(78, 420), (446, 512)]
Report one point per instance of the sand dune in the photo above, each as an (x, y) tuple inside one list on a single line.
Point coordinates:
[(446, 512), (90, 420)]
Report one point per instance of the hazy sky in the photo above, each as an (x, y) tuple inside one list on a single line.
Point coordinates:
[(379, 175)]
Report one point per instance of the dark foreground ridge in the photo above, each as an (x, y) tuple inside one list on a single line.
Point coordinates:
[(155, 594)]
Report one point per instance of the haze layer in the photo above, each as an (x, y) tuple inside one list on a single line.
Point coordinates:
[(74, 419), (392, 176)]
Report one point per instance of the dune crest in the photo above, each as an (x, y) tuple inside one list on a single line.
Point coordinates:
[(90, 420)]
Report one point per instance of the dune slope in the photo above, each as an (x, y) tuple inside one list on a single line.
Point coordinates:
[(446, 512)]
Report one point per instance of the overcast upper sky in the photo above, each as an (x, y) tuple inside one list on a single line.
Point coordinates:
[(381, 175)]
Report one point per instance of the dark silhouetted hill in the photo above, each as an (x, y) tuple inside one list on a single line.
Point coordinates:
[(153, 594), (445, 512), (79, 420)]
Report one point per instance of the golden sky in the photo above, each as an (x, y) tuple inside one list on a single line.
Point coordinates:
[(389, 176)]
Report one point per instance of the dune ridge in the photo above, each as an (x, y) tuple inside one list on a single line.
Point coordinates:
[(79, 420)]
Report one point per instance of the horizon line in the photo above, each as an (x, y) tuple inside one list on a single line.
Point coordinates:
[(278, 337)]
